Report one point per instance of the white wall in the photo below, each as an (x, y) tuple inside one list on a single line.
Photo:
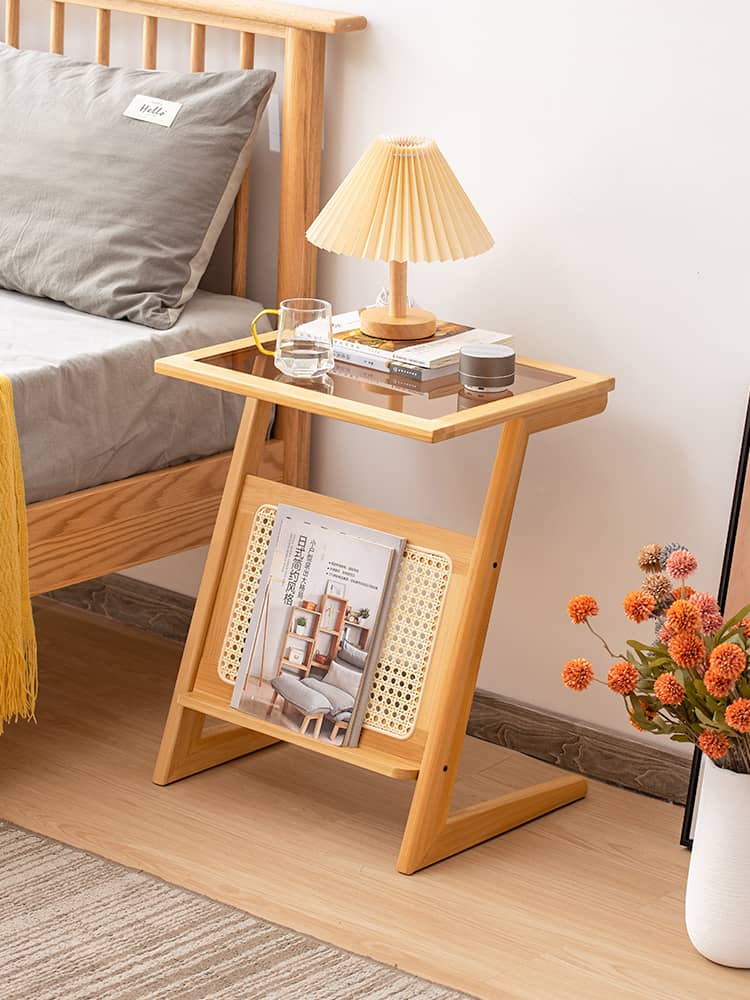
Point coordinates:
[(604, 142)]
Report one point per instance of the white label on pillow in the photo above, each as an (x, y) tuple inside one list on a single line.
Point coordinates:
[(152, 109)]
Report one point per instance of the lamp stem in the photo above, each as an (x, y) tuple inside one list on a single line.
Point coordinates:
[(397, 290)]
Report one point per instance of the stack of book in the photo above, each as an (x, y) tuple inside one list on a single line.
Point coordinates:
[(415, 361), (313, 639)]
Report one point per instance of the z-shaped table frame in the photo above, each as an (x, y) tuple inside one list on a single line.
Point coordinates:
[(544, 396)]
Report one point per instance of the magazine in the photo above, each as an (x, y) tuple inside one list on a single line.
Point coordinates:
[(317, 624)]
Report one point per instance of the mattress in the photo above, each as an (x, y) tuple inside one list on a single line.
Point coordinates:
[(89, 407)]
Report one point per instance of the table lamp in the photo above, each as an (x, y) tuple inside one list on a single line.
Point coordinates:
[(401, 202)]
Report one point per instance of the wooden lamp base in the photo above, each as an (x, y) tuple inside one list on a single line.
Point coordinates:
[(399, 321), (417, 324)]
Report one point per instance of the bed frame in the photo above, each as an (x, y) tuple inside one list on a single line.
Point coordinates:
[(108, 528)]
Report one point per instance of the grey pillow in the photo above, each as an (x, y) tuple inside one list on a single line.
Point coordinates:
[(110, 214), (352, 654), (303, 698), (341, 701), (341, 676)]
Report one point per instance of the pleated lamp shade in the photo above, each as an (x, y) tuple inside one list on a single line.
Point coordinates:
[(401, 202)]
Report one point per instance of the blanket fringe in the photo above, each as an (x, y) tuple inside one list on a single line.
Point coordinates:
[(18, 652)]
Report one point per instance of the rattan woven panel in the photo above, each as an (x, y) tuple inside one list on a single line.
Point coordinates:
[(408, 640)]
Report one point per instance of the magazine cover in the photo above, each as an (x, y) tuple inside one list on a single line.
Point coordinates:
[(315, 631)]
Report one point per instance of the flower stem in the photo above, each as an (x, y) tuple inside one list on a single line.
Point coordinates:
[(603, 641)]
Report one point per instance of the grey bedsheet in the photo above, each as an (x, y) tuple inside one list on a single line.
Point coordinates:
[(89, 407)]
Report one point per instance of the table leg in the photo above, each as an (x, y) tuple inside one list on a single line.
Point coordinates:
[(184, 749), (431, 833)]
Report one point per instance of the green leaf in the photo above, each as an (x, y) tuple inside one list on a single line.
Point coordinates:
[(634, 644), (728, 625), (707, 720)]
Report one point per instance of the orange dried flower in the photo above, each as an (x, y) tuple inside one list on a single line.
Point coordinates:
[(683, 616), (738, 715), (577, 674), (728, 659), (668, 689), (638, 605), (713, 744), (680, 592), (717, 684), (582, 607), (686, 649), (744, 626), (623, 678)]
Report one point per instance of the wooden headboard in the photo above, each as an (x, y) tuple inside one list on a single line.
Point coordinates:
[(304, 31)]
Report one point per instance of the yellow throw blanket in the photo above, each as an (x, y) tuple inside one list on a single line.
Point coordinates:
[(18, 676)]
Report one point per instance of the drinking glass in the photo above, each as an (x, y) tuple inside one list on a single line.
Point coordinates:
[(304, 344)]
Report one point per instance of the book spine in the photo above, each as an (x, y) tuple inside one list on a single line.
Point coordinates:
[(361, 356), (421, 374), (359, 709)]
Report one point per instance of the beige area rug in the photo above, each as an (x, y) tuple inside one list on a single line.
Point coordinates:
[(76, 927)]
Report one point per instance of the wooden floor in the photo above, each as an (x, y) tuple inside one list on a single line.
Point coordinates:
[(584, 903)]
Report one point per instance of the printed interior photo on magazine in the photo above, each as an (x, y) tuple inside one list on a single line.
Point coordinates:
[(313, 639)]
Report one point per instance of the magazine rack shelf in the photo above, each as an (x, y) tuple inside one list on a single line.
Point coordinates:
[(544, 396)]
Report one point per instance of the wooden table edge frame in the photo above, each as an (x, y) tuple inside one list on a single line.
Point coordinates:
[(432, 832)]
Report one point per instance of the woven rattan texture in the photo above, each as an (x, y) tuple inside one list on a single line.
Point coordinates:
[(408, 641)]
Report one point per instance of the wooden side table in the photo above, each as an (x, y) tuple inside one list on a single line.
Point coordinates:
[(544, 396)]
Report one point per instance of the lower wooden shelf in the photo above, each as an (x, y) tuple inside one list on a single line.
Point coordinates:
[(385, 760)]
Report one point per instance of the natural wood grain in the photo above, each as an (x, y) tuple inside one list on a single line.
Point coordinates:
[(181, 737), (415, 324), (397, 303), (425, 835), (382, 761), (588, 750), (302, 133), (555, 910), (103, 26), (197, 48), (80, 535), (150, 41), (247, 49), (57, 27), (13, 22), (242, 202), (473, 824), (259, 16), (302, 137)]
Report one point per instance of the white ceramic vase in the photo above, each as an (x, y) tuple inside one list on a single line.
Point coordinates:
[(717, 902)]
